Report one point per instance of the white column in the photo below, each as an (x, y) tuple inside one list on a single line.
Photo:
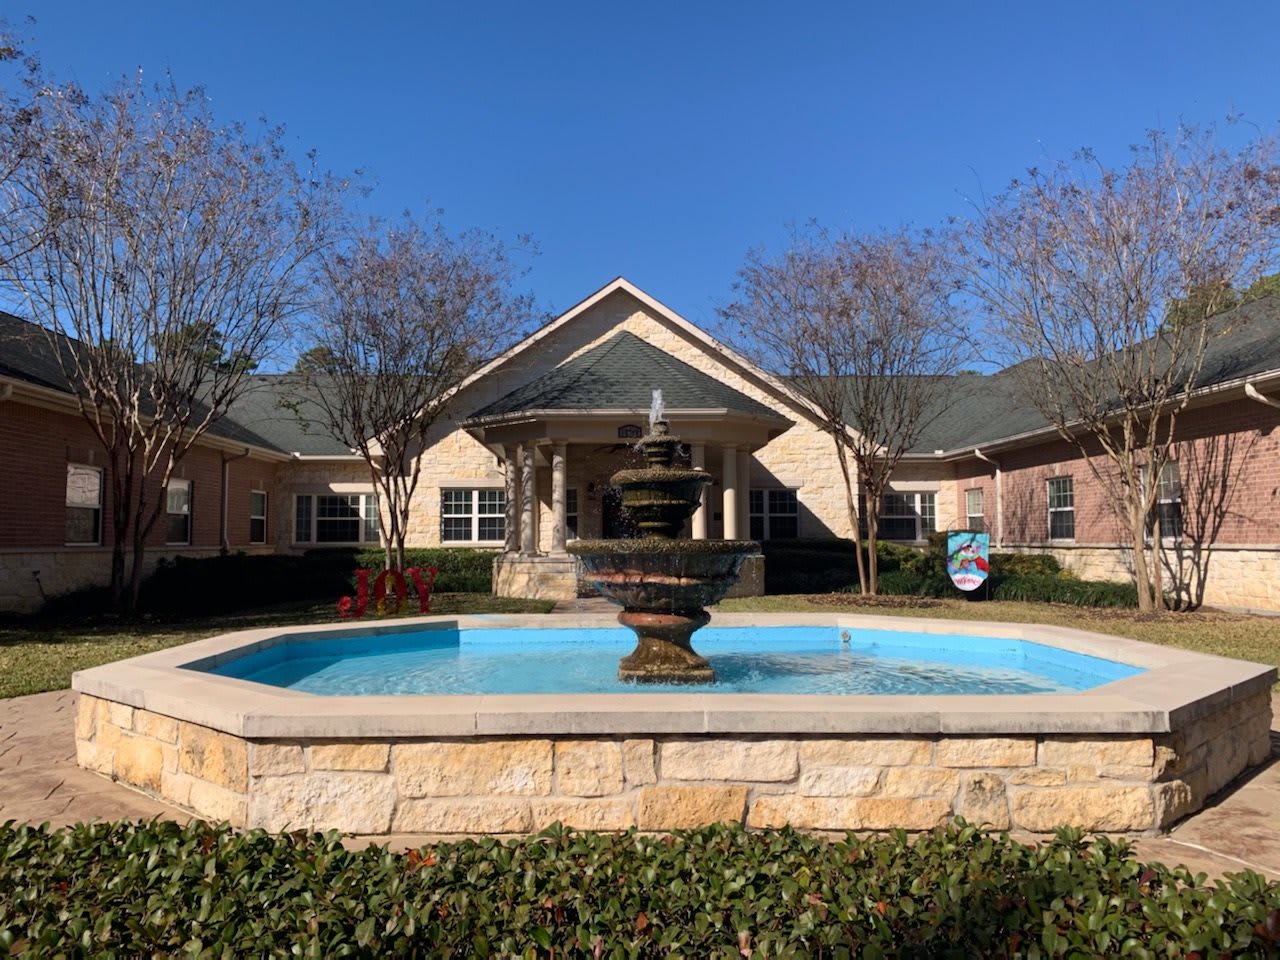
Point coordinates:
[(528, 502), (511, 484), (698, 455), (559, 499), (729, 476), (744, 493)]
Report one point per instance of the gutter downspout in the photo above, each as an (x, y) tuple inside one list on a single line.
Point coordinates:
[(1252, 393), (225, 540), (999, 496)]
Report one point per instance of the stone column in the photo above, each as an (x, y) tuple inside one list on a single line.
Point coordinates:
[(729, 477), (698, 456), (528, 502), (559, 498), (744, 493), (511, 485)]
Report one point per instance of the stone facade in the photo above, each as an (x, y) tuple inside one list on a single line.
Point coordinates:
[(515, 784)]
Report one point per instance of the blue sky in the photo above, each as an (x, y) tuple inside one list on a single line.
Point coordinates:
[(661, 141)]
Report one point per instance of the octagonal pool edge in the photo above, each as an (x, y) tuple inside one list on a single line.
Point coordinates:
[(1130, 756)]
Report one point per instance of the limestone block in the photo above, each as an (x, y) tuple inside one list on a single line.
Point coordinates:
[(213, 756), (371, 757), (665, 807), (987, 752), (453, 769), (851, 813), (121, 714), (275, 759), (840, 781), (984, 801), (155, 725), (494, 815), (1083, 752), (921, 782), (638, 762), (759, 760), (1090, 808), (139, 761), (216, 803), (611, 813), (1259, 747), (87, 711), (1037, 777), (873, 752), (176, 787), (1225, 761), (588, 768), (94, 756), (1175, 799), (354, 802)]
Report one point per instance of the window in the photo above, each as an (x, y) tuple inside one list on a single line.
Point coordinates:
[(178, 512), (335, 518), (571, 514), (630, 431), (84, 504), (908, 516), (1168, 505), (475, 516), (775, 514), (1062, 508), (257, 516), (976, 519)]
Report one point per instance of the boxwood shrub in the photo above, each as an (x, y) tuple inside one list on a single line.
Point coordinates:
[(159, 889), (460, 569)]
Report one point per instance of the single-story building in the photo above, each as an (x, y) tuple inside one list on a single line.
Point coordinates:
[(522, 460)]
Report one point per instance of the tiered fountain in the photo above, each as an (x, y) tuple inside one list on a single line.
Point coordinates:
[(663, 583)]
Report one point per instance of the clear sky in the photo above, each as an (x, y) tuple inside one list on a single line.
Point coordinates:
[(661, 141)]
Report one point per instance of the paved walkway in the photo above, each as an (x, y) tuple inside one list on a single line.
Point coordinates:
[(39, 781)]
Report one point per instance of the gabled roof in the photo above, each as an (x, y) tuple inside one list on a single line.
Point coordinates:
[(621, 373)]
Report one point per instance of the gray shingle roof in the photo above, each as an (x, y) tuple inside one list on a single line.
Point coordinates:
[(622, 374)]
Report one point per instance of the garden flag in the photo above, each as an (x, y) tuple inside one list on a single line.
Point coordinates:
[(967, 555)]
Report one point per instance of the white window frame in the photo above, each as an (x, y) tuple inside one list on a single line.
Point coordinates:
[(919, 508), (760, 507), (571, 513), (184, 511), (980, 513), (1168, 492), (369, 533), (474, 514), (95, 507), (266, 509), (1070, 492)]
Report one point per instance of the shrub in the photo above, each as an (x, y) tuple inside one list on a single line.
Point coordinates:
[(1025, 565), (460, 569), (225, 584), (159, 889), (1081, 593)]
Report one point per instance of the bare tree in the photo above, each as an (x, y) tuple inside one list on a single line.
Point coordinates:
[(1100, 281), (171, 254), (407, 312), (866, 329)]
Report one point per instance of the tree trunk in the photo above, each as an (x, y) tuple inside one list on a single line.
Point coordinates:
[(1141, 577), (852, 508), (873, 562)]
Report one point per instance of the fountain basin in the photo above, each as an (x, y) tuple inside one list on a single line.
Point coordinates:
[(1129, 756)]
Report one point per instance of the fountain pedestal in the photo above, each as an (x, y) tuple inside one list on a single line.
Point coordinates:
[(664, 584)]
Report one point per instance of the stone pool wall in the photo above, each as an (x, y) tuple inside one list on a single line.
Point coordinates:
[(1131, 783)]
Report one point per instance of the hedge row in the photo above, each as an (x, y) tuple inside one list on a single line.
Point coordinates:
[(210, 586), (823, 566), (160, 889)]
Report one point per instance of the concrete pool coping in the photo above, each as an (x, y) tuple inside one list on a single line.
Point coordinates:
[(1177, 688)]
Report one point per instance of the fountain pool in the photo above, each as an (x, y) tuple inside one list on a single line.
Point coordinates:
[(1132, 754)]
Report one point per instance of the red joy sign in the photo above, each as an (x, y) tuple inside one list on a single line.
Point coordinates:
[(350, 609)]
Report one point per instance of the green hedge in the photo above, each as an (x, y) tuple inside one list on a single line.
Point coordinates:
[(460, 569), (159, 889), (238, 581)]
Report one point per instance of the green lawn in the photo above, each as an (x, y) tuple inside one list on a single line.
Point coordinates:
[(39, 654), (1225, 634)]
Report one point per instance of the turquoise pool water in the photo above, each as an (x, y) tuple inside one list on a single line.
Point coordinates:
[(786, 660)]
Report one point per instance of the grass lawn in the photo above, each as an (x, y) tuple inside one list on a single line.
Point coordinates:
[(39, 654), (1235, 635)]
